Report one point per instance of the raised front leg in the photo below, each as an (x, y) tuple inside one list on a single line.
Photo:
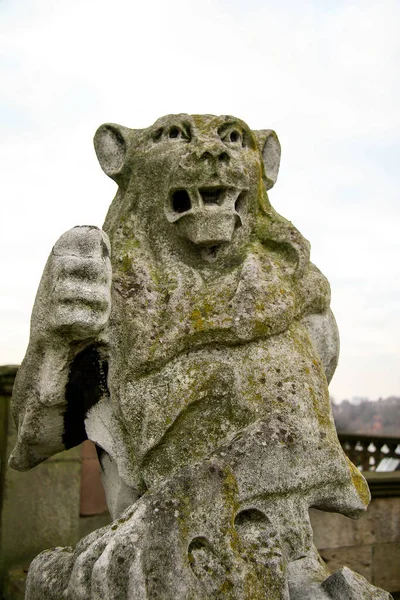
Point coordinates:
[(71, 311)]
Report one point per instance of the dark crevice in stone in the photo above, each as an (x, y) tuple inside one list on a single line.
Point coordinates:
[(100, 453), (224, 157), (157, 135), (213, 195), (104, 250), (198, 543), (174, 132), (181, 201), (239, 204), (206, 156), (251, 515), (87, 384), (210, 254)]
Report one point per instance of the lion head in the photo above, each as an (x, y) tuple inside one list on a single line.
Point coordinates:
[(196, 186)]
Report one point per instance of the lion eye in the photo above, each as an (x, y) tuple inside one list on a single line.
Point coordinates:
[(233, 136), (157, 135), (174, 132), (179, 133)]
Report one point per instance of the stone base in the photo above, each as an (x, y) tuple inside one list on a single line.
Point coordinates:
[(189, 540)]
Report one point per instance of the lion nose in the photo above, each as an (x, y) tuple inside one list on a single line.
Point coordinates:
[(214, 152)]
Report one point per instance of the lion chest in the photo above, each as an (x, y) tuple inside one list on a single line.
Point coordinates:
[(201, 399), (152, 322)]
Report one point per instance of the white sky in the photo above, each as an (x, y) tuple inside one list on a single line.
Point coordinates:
[(324, 74)]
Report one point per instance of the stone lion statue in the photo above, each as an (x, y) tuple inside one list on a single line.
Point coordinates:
[(192, 341)]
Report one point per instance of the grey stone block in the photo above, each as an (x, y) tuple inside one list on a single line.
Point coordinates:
[(347, 585)]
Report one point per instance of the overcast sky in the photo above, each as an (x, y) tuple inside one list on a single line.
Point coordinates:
[(324, 74)]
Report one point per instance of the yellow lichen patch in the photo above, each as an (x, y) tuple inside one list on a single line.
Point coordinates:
[(197, 320), (321, 410), (359, 483), (226, 588)]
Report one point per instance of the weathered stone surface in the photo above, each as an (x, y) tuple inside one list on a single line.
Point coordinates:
[(199, 369), (204, 549), (305, 578)]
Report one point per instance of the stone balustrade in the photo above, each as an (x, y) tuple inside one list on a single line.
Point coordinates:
[(367, 451)]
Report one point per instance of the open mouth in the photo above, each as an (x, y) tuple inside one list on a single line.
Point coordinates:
[(181, 200), (213, 195), (207, 216)]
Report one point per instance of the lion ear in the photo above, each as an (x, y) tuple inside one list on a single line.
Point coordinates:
[(270, 149), (111, 146)]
